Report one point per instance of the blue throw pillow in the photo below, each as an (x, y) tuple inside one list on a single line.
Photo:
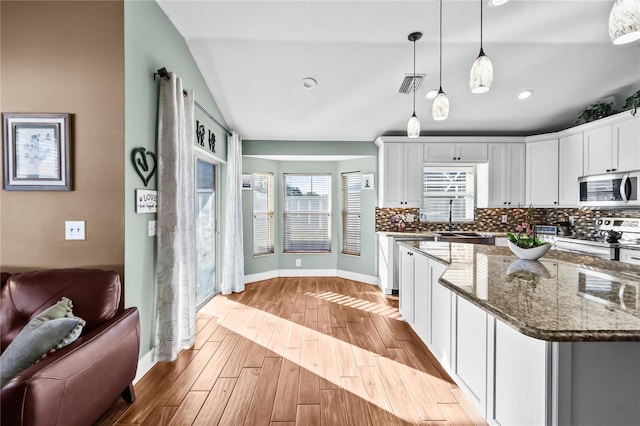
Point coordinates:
[(54, 328)]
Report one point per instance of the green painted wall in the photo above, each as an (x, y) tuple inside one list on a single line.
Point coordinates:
[(365, 263), (152, 42)]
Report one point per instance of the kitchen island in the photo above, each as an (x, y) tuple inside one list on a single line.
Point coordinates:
[(555, 341)]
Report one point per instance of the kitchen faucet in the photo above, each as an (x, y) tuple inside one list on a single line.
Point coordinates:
[(451, 226)]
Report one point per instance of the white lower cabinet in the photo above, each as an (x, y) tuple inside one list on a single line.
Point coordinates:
[(441, 315), (519, 379), (417, 273), (405, 289), (470, 351), (423, 273)]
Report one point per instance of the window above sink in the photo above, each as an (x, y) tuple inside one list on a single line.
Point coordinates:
[(443, 183)]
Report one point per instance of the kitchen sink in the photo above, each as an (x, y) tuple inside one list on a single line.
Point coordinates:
[(466, 237)]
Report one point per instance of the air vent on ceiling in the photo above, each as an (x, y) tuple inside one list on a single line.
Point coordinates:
[(409, 82)]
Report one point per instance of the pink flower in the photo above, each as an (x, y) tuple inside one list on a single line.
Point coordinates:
[(529, 232), (525, 225), (519, 228)]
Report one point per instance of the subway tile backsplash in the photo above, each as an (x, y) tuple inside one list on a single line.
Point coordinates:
[(490, 220)]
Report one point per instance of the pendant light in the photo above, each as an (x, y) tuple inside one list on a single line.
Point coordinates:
[(624, 21), (440, 108), (413, 126), (481, 76)]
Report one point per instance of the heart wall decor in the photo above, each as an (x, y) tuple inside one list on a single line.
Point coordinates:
[(141, 164)]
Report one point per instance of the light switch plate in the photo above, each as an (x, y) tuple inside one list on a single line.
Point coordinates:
[(74, 230), (151, 228), (504, 218)]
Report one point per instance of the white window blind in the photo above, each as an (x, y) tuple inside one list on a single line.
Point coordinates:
[(307, 213), (262, 213), (351, 208), (443, 184)]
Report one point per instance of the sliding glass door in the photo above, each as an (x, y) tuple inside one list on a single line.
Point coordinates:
[(206, 231)]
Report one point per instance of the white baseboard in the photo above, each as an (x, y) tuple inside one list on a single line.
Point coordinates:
[(308, 273), (261, 276), (355, 276), (144, 365), (368, 279)]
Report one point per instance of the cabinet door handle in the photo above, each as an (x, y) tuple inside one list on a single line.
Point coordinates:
[(505, 203), (555, 202), (608, 170), (509, 202)]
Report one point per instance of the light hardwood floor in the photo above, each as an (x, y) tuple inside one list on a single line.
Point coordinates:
[(299, 351)]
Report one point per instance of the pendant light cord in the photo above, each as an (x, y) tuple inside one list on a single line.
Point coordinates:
[(440, 45), (480, 24), (414, 77)]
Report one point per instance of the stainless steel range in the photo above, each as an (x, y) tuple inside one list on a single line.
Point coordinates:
[(610, 235)]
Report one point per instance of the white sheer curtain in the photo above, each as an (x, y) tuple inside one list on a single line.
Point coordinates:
[(233, 265), (176, 253)]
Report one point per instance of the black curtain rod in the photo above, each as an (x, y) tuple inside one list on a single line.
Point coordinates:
[(163, 73)]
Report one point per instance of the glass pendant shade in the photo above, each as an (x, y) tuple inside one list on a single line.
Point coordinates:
[(481, 76), (413, 127), (440, 107), (624, 21)]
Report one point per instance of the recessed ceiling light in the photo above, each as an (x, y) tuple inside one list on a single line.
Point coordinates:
[(309, 83), (497, 2), (525, 94), (431, 94)]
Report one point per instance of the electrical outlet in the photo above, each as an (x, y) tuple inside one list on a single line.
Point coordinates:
[(74, 230), (151, 230), (572, 219), (504, 218), (298, 262), (411, 218)]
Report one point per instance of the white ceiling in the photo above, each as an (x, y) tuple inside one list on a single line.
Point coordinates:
[(254, 54)]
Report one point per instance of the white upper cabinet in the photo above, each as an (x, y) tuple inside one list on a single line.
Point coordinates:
[(455, 152), (401, 180), (506, 174), (598, 151), (626, 140), (570, 153), (613, 147), (542, 173)]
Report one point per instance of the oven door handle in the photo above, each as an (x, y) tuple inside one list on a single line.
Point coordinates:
[(585, 252), (624, 193)]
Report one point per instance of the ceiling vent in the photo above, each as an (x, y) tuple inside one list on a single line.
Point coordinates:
[(409, 81)]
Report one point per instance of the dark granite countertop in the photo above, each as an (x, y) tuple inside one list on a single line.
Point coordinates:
[(563, 297)]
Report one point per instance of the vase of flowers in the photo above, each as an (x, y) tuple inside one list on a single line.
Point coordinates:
[(400, 220), (526, 244)]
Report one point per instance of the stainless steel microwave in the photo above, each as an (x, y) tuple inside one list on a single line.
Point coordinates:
[(611, 190)]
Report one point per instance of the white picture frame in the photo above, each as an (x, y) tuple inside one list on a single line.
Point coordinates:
[(247, 181), (367, 181), (146, 201)]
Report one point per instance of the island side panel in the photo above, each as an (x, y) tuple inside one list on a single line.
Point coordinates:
[(604, 386)]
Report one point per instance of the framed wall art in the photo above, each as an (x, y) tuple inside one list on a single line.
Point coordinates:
[(247, 181), (367, 181), (36, 152)]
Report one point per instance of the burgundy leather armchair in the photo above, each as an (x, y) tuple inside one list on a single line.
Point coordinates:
[(75, 384)]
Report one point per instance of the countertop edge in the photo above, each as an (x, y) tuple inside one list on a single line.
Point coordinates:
[(546, 335)]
